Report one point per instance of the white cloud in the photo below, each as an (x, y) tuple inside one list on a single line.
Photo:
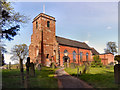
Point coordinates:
[(109, 27), (7, 58)]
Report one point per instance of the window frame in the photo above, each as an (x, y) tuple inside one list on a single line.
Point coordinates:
[(74, 56), (81, 56), (48, 24), (87, 54)]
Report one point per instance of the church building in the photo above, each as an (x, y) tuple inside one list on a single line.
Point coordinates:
[(45, 45)]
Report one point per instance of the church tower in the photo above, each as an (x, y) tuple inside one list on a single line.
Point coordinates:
[(43, 38)]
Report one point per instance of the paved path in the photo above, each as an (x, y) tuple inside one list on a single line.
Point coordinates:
[(67, 81)]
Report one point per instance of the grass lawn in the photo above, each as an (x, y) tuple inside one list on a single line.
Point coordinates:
[(43, 79), (97, 77)]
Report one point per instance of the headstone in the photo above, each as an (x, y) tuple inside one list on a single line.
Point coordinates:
[(80, 73), (17, 67), (10, 65), (68, 63), (39, 67), (117, 73), (48, 62), (27, 73), (77, 71), (32, 69), (7, 66)]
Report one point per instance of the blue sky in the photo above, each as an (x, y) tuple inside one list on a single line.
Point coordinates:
[(95, 23)]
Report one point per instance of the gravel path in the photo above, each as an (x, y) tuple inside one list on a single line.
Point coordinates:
[(67, 81)]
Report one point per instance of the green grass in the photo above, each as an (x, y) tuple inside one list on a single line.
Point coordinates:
[(97, 77), (43, 79)]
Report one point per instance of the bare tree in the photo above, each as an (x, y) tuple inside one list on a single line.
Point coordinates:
[(111, 48), (20, 52)]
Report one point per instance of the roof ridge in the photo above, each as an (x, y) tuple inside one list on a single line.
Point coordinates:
[(69, 42), (70, 39)]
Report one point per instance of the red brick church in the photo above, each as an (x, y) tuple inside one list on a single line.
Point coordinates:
[(45, 45)]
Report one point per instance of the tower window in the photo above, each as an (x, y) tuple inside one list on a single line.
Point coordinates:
[(36, 24), (47, 56), (87, 56), (48, 23)]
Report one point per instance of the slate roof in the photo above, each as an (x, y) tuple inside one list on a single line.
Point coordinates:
[(94, 52), (72, 43)]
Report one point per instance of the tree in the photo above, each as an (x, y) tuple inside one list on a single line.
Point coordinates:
[(10, 20), (96, 62), (20, 52), (117, 57), (2, 51), (111, 48)]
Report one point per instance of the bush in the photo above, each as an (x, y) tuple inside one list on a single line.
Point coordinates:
[(96, 62), (73, 65), (86, 67), (117, 57), (65, 64), (52, 65)]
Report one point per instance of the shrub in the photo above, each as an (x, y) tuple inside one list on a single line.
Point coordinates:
[(73, 65), (96, 62), (86, 67), (117, 57), (52, 65)]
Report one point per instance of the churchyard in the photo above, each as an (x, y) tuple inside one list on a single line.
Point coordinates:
[(98, 77), (43, 78)]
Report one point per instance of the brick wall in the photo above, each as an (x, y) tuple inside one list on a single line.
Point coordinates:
[(43, 36), (70, 54)]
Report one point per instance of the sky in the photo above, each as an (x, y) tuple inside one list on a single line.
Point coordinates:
[(95, 23)]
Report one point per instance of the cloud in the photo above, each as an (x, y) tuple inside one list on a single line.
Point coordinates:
[(109, 27), (86, 42), (7, 58)]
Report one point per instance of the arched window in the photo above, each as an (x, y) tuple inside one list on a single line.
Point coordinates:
[(87, 56), (65, 52), (81, 56), (74, 56), (48, 23)]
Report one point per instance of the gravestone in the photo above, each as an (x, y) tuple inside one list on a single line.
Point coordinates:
[(68, 63), (10, 65), (17, 67), (117, 73), (48, 63), (80, 73), (77, 71), (7, 67), (32, 69), (39, 67), (27, 72)]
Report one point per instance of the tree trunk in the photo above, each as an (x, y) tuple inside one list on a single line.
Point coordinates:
[(21, 71)]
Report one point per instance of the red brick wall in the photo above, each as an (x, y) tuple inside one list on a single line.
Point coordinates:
[(49, 39), (109, 57), (70, 55)]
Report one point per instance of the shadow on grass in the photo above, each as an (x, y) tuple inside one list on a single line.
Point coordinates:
[(99, 80), (43, 79)]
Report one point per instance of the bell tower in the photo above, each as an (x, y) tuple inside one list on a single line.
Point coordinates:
[(43, 38)]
